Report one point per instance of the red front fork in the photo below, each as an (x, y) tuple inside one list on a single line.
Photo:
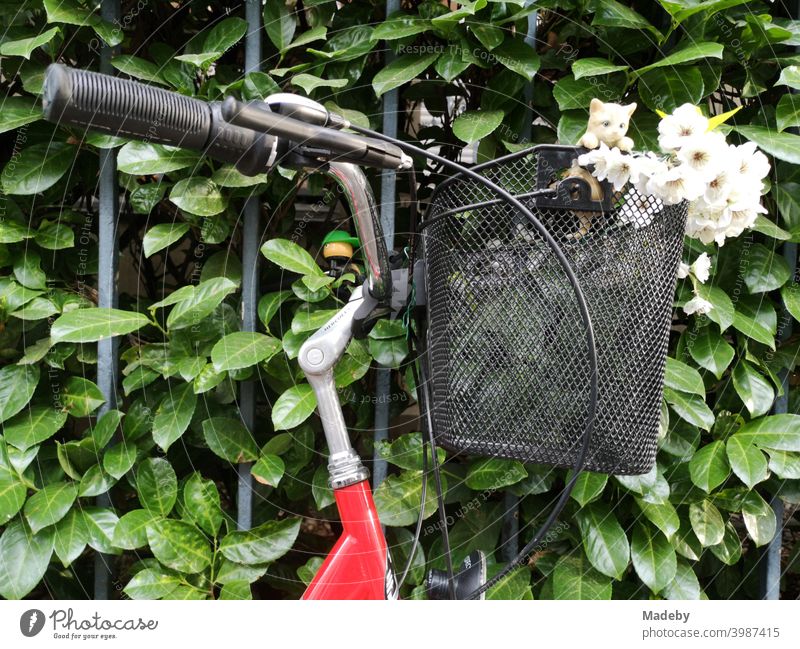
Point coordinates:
[(359, 566)]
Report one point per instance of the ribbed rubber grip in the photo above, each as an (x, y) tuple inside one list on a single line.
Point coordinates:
[(124, 108)]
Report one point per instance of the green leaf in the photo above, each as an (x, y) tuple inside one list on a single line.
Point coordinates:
[(784, 146), (309, 82), (691, 408), (516, 585), (310, 320), (682, 377), (146, 159), (790, 294), (202, 503), (570, 92), (787, 112), (198, 195), (685, 585), (759, 519), (289, 256), (756, 319), (314, 34), (119, 459), (24, 558), (131, 530), (96, 323), (604, 540), (230, 439), (33, 426), (711, 351), (406, 451), (320, 490), (516, 55), (36, 168), (100, 523), (70, 12), (665, 90), (81, 397), (747, 462), (494, 473), (729, 550), (400, 25), (12, 497), (474, 125), (707, 523), (262, 544), (70, 537), (709, 467), (653, 557), (680, 10), (269, 304), (662, 515), (243, 349), (224, 35), (106, 426), (753, 389), (178, 545), (779, 432), (95, 482), (784, 465), (157, 485), (268, 470), (138, 68), (609, 13), (17, 384), (279, 24), (588, 487), (152, 584), (50, 504), (389, 352), (451, 64), (163, 235), (174, 415), (765, 271), (574, 578), (692, 52), (593, 67), (402, 70), (723, 311), (54, 236), (200, 302), (790, 76), (18, 111), (24, 46), (293, 407), (398, 499)]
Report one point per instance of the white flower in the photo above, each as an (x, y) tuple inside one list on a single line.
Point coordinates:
[(685, 122), (704, 154), (598, 157), (720, 185), (701, 268), (697, 305), (683, 271), (708, 223), (749, 162), (676, 184)]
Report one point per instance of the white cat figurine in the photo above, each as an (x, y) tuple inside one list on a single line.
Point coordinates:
[(608, 123)]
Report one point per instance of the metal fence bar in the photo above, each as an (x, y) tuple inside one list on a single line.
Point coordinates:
[(250, 239), (107, 263), (510, 531), (383, 380)]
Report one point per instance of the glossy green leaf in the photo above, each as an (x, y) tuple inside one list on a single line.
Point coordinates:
[(200, 303), (71, 13), (707, 523), (81, 397), (262, 544), (709, 467), (474, 125), (753, 389), (684, 378), (157, 485), (91, 325), (199, 196), (746, 461), (787, 112), (130, 532), (179, 545), (243, 349), (494, 473), (784, 146), (230, 440), (202, 503), (309, 83), (152, 584), (174, 415), (604, 540), (269, 304), (592, 67), (225, 34), (400, 71), (70, 536), (37, 168), (119, 459), (12, 497), (293, 407), (268, 470), (710, 350), (765, 271), (289, 256), (685, 584), (662, 515), (33, 426), (17, 384), (145, 158), (690, 407), (687, 54), (574, 578), (588, 487), (516, 55), (653, 557), (729, 550), (105, 427), (18, 111), (279, 24), (759, 519), (398, 499), (24, 558), (779, 432), (162, 236)]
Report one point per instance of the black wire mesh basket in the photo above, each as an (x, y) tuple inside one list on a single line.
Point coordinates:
[(508, 359)]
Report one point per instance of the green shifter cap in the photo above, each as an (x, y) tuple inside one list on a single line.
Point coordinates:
[(340, 236)]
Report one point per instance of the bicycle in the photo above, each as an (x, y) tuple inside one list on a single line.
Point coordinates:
[(300, 133)]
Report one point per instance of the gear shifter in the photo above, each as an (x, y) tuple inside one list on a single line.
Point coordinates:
[(471, 576)]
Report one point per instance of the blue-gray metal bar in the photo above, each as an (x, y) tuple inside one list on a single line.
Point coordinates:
[(107, 263), (383, 381), (251, 235), (510, 530)]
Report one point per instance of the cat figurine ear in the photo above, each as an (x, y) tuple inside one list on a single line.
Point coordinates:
[(608, 123)]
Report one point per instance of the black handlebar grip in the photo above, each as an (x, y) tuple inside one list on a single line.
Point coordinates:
[(138, 111), (124, 108)]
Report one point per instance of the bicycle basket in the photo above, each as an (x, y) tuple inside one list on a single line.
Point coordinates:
[(508, 359)]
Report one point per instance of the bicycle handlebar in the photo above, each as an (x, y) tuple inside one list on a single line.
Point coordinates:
[(135, 110)]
